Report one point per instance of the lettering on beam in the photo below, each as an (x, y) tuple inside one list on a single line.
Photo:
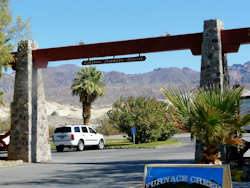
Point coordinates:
[(114, 60)]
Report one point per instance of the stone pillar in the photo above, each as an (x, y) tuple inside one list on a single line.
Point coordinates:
[(40, 131), (29, 131), (21, 108), (214, 61), (214, 71)]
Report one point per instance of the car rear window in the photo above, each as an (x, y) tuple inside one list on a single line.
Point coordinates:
[(63, 130)]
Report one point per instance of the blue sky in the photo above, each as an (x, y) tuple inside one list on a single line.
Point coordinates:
[(63, 22)]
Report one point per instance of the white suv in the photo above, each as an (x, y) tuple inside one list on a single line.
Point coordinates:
[(77, 136)]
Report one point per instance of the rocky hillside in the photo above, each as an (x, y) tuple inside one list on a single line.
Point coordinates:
[(241, 74), (58, 81)]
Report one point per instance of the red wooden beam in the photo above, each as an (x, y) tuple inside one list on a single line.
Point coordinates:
[(231, 40), (137, 46)]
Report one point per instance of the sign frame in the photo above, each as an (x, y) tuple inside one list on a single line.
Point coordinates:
[(114, 60), (226, 177)]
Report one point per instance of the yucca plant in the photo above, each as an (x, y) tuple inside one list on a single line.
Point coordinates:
[(88, 86), (211, 115)]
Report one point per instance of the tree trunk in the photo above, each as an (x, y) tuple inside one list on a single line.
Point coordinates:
[(86, 113), (210, 155)]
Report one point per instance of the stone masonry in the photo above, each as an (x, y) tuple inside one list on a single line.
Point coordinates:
[(214, 71), (29, 139), (40, 131), (214, 61)]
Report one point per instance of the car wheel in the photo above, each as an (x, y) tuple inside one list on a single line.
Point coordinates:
[(59, 148), (80, 146), (101, 144)]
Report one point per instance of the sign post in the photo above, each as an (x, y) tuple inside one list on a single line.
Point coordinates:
[(133, 131)]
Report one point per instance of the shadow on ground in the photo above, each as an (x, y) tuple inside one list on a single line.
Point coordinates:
[(106, 174)]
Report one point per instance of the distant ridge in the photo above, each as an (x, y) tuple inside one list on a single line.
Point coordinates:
[(58, 81)]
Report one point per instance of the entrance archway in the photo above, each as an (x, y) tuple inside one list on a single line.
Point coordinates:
[(29, 132)]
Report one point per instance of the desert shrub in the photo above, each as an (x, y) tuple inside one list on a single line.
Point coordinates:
[(147, 115), (106, 128)]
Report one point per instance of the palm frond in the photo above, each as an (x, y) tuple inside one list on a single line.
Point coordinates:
[(211, 115), (88, 84)]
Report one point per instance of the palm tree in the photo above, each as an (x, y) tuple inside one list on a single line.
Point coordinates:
[(88, 86), (210, 115)]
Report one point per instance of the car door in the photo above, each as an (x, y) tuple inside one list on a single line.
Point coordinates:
[(86, 135), (93, 136)]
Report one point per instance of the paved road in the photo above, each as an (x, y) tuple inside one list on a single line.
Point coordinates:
[(96, 169), (93, 168)]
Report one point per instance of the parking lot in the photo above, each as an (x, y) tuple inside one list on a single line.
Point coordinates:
[(94, 168)]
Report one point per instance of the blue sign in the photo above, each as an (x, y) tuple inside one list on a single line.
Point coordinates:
[(183, 176), (133, 130)]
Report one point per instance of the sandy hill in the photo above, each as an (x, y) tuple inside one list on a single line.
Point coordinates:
[(62, 114)]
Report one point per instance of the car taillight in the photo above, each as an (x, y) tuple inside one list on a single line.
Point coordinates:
[(72, 137)]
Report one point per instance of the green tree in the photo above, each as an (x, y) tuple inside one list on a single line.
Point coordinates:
[(10, 32), (212, 116), (146, 115), (88, 86)]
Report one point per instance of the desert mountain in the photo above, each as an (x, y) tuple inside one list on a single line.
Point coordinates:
[(58, 81), (62, 108)]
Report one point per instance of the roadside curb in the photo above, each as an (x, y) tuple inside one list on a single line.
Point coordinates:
[(7, 164), (172, 145)]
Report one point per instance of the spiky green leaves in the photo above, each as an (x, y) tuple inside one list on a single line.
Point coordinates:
[(209, 114), (88, 85)]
